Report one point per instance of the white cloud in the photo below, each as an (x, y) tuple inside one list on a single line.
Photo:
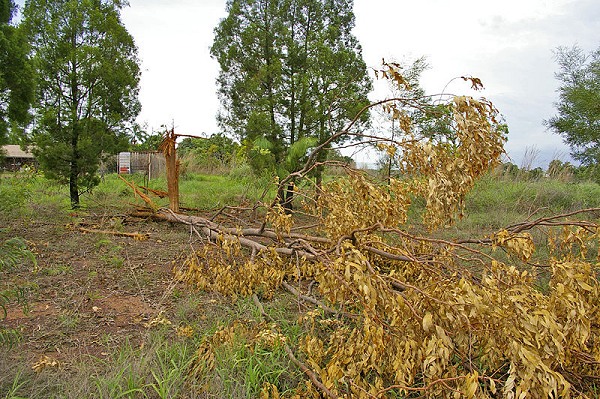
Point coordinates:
[(506, 44)]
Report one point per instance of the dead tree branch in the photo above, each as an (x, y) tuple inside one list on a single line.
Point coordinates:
[(137, 236)]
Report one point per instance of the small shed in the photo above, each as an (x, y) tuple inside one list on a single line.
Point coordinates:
[(15, 158), (150, 163)]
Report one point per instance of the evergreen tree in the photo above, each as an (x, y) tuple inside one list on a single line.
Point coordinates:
[(16, 74), (88, 75), (290, 69), (578, 118)]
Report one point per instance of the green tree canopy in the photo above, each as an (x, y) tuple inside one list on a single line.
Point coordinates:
[(142, 140), (578, 106), (289, 69), (88, 75), (16, 74), (210, 152)]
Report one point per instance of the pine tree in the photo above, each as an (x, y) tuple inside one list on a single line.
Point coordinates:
[(88, 75), (290, 69), (16, 74)]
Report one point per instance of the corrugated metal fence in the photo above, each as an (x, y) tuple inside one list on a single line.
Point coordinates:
[(151, 164)]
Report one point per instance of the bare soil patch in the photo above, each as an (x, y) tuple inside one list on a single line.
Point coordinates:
[(90, 292)]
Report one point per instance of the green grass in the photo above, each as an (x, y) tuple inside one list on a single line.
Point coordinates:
[(498, 202), (15, 387), (28, 195), (160, 368), (212, 191), (204, 192), (509, 199), (242, 369), (243, 365)]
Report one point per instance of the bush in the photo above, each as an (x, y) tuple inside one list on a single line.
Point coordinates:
[(15, 191), (207, 155)]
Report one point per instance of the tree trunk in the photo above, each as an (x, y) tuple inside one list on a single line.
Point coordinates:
[(322, 155), (167, 147), (74, 172), (74, 167), (289, 198), (73, 186)]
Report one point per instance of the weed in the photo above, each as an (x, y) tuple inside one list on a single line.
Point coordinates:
[(123, 384), (113, 261), (15, 193), (14, 252), (57, 270), (13, 255), (103, 243), (68, 320), (10, 337), (188, 308), (111, 253), (13, 390), (172, 365), (242, 368), (93, 295)]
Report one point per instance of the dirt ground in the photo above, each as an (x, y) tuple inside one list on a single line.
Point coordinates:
[(90, 292)]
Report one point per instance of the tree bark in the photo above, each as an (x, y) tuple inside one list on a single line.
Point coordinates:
[(288, 204), (74, 172), (168, 149)]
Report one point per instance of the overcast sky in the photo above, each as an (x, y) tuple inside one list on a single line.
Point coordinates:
[(507, 44)]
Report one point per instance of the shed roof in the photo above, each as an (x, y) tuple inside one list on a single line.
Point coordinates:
[(15, 151)]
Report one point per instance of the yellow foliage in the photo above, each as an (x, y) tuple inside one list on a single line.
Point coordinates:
[(356, 204), (43, 363), (447, 334), (223, 268), (414, 315), (520, 244), (282, 223)]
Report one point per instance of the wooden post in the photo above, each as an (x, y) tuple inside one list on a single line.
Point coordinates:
[(168, 149)]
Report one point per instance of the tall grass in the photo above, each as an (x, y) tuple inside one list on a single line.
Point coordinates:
[(497, 201), (243, 364), (156, 370), (215, 191)]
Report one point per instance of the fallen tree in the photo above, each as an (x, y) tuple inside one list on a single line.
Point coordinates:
[(406, 314)]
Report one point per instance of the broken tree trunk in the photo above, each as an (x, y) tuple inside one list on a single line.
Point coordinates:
[(167, 147), (291, 244)]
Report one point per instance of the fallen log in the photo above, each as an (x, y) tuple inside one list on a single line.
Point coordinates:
[(292, 244), (136, 236), (214, 231)]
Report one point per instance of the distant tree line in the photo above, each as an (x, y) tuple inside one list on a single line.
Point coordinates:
[(291, 76)]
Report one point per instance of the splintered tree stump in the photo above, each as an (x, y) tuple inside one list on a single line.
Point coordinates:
[(167, 147)]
